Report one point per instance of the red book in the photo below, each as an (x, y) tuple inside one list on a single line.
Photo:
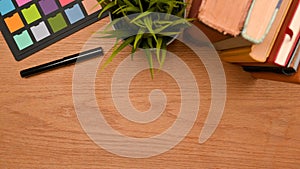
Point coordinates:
[(287, 38)]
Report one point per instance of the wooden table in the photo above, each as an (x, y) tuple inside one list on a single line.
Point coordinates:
[(39, 128)]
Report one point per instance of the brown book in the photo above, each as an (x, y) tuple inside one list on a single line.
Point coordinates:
[(278, 77), (260, 52), (261, 18), (291, 67), (212, 34), (236, 23), (226, 16), (295, 78)]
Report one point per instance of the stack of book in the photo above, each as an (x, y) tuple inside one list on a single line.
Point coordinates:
[(260, 35)]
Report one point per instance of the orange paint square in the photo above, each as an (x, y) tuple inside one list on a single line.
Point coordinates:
[(91, 6), (14, 23)]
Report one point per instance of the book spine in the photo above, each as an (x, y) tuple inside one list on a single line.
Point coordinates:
[(282, 34)]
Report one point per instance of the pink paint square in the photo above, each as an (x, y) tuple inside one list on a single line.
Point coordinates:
[(22, 2), (65, 2)]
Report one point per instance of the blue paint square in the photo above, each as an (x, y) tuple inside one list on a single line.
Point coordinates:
[(6, 6), (74, 14)]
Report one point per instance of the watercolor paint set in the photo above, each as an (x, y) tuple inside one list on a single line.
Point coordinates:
[(31, 25)]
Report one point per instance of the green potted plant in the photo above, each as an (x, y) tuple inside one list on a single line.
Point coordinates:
[(146, 24)]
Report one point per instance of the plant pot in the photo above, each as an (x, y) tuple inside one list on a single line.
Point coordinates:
[(169, 39), (152, 29)]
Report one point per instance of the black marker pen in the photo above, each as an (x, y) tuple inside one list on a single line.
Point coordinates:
[(62, 62)]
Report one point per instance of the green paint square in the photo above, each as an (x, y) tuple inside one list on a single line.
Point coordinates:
[(23, 40), (31, 14), (57, 22)]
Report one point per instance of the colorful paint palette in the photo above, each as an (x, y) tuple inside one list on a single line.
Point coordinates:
[(31, 25)]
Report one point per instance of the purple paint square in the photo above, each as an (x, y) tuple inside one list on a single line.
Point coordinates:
[(48, 6)]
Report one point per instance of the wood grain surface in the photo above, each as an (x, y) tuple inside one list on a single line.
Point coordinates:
[(260, 127)]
